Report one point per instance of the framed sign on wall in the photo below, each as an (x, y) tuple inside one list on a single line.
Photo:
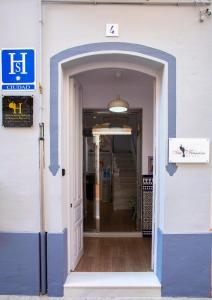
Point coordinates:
[(189, 150), (17, 111), (18, 69)]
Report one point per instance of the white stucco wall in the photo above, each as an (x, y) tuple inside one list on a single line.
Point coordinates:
[(176, 30), (19, 189)]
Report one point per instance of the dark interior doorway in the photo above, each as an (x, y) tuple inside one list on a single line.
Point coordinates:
[(119, 172)]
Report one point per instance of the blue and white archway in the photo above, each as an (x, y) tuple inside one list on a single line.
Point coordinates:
[(69, 62), (128, 48), (178, 277)]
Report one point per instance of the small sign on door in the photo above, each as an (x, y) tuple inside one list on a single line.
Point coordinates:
[(188, 150)]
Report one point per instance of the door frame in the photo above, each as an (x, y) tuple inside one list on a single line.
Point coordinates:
[(97, 135), (61, 68), (154, 245)]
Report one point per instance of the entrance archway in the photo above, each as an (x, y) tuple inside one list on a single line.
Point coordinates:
[(134, 50), (140, 58)]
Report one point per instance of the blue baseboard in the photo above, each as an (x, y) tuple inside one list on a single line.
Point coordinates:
[(159, 254), (184, 264), (56, 263), (19, 264)]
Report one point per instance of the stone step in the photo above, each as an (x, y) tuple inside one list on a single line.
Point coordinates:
[(127, 179), (121, 154), (122, 195), (123, 198), (124, 160), (121, 206), (127, 173), (131, 178), (112, 284), (126, 167), (124, 185)]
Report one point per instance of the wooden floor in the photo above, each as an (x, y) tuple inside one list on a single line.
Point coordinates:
[(110, 220), (116, 220), (115, 255)]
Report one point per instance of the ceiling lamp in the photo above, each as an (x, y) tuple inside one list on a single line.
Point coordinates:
[(118, 105)]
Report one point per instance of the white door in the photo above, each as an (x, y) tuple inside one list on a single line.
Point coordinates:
[(75, 173)]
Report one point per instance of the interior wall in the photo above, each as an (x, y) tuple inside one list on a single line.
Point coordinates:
[(101, 86)]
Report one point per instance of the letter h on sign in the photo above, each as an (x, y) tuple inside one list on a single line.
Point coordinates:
[(17, 66)]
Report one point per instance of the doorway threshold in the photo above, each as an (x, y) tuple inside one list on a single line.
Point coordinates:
[(112, 284), (112, 234)]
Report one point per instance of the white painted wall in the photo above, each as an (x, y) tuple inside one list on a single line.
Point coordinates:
[(101, 86), (19, 190), (176, 30)]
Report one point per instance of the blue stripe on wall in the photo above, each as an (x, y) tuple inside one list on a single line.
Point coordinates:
[(184, 264), (19, 263), (56, 263), (159, 254)]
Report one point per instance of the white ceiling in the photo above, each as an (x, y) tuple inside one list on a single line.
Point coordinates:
[(118, 76)]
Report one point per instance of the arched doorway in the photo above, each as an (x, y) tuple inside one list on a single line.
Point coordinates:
[(150, 61)]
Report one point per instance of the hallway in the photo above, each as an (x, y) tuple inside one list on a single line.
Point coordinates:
[(112, 220), (115, 255)]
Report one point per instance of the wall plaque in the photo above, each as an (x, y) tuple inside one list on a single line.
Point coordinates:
[(17, 111), (18, 69), (189, 150), (112, 30)]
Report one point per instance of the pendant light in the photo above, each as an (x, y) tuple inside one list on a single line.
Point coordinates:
[(118, 105)]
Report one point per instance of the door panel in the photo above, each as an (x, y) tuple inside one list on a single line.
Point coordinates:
[(76, 200)]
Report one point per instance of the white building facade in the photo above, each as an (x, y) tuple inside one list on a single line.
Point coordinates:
[(167, 41)]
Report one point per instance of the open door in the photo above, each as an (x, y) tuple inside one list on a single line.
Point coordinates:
[(76, 173)]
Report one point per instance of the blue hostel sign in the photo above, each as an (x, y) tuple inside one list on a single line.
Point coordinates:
[(18, 69)]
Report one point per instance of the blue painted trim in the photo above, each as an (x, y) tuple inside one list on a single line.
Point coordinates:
[(184, 264), (56, 262), (96, 47), (19, 263)]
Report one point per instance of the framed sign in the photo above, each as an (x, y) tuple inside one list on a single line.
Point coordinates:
[(17, 111), (18, 69), (189, 150)]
